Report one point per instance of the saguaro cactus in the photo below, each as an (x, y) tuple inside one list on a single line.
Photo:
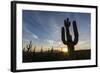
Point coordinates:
[(67, 38), (29, 46)]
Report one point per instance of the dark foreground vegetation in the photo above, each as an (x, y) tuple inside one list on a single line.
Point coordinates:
[(55, 56)]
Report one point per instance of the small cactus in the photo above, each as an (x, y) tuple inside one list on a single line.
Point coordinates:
[(67, 38), (34, 49), (41, 49), (29, 46), (52, 49)]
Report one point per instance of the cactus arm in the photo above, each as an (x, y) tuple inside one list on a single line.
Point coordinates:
[(68, 35), (63, 36), (76, 34)]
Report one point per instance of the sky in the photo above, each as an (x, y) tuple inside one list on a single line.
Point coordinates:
[(43, 28)]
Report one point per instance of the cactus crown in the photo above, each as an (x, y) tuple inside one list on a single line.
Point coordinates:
[(67, 23), (65, 34)]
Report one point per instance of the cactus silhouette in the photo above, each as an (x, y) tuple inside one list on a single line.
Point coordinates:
[(29, 46), (34, 49), (52, 49), (67, 37)]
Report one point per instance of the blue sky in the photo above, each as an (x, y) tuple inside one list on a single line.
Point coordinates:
[(43, 28)]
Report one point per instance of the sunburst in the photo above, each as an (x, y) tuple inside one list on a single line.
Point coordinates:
[(64, 50)]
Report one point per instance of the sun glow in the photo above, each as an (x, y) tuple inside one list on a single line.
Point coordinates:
[(64, 50)]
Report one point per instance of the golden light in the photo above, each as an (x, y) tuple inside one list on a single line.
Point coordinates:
[(64, 50)]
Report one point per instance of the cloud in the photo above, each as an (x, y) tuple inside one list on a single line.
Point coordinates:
[(55, 44), (28, 32), (82, 45), (35, 36), (84, 42), (26, 40), (50, 42)]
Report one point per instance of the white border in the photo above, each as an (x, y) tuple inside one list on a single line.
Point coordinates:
[(37, 65)]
